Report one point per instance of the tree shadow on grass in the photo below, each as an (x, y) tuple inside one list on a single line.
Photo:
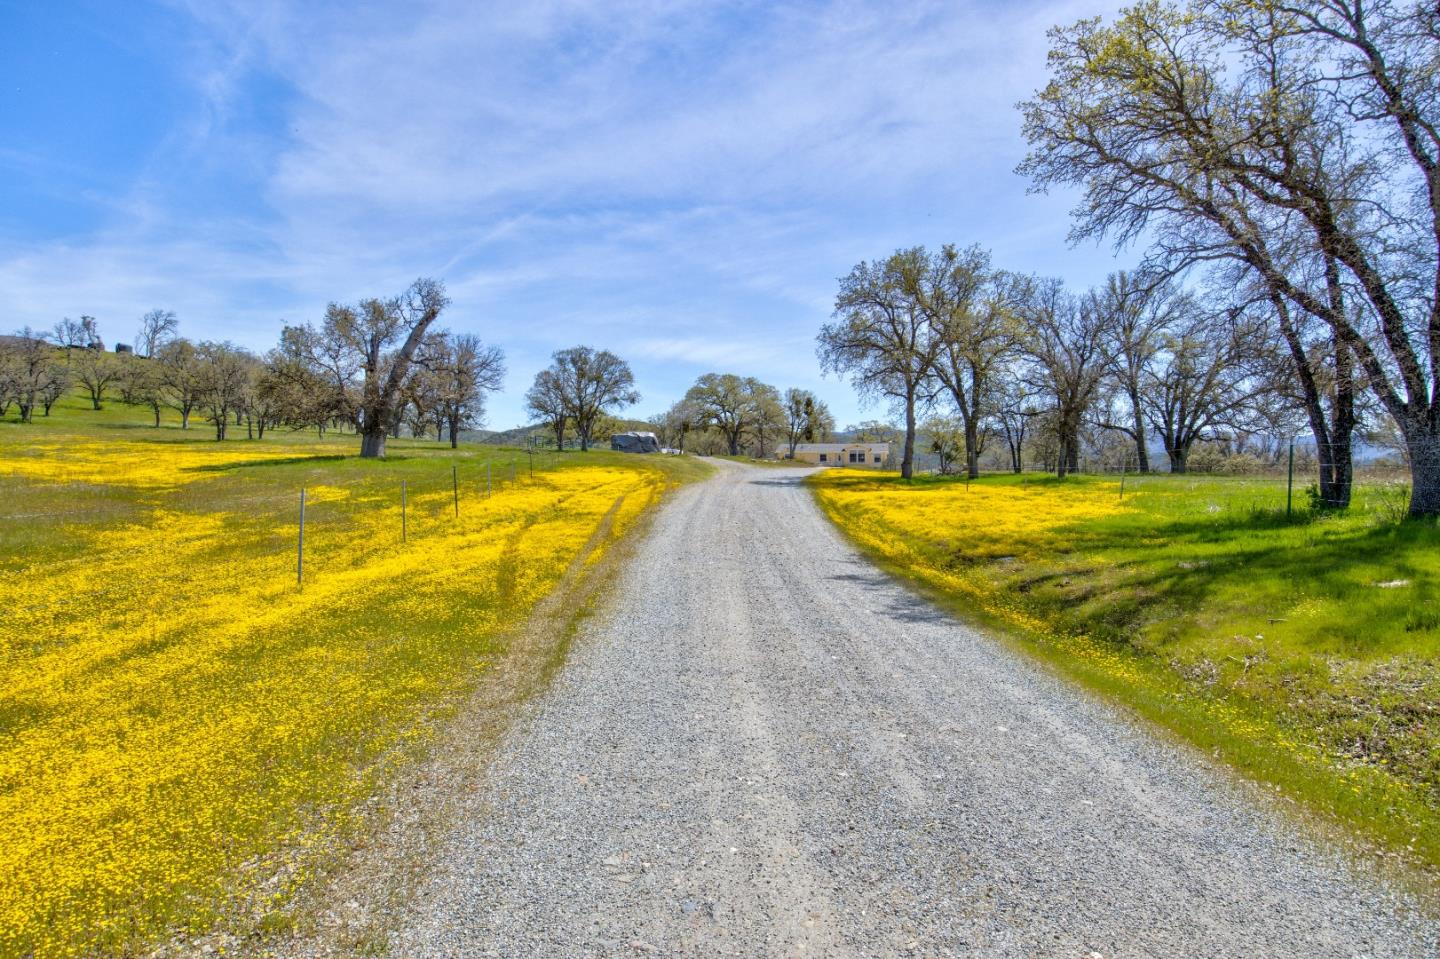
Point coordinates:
[(1202, 558), (272, 461)]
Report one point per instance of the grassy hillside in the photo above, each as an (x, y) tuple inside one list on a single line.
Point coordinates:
[(185, 727), (1305, 651), (519, 435)]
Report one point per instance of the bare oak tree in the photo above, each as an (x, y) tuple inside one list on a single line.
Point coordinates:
[(96, 371), (1063, 337), (585, 383), (807, 419), (736, 406), (366, 351), (545, 400), (31, 370), (1302, 140), (1201, 377), (224, 375), (181, 382), (882, 340), (971, 308), (462, 371), (157, 328), (1137, 311)]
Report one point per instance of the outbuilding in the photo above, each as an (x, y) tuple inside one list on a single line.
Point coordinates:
[(866, 455)]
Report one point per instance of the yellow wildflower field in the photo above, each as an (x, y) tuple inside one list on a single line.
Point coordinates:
[(942, 533), (177, 712)]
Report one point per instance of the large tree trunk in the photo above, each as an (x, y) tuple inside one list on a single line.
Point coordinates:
[(1142, 454), (184, 418), (972, 443), (907, 460), (1342, 475), (155, 408), (1333, 451), (454, 432), (1179, 459), (221, 422), (1341, 459), (372, 441), (1332, 440), (1422, 440)]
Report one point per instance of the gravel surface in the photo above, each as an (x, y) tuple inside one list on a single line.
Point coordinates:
[(765, 747)]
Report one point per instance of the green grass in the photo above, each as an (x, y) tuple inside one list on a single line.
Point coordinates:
[(1305, 651)]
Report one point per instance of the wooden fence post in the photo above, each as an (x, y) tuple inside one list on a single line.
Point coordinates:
[(300, 545)]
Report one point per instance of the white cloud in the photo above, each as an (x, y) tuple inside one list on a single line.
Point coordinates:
[(685, 179)]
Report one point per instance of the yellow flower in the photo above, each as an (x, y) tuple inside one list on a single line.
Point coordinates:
[(177, 713)]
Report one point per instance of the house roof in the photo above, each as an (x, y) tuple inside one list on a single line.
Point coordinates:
[(841, 447)]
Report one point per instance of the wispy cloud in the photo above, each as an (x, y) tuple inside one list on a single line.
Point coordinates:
[(681, 179)]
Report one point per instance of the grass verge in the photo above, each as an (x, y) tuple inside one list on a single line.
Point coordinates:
[(1302, 652)]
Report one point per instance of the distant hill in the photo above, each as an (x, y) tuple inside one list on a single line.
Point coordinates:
[(515, 436)]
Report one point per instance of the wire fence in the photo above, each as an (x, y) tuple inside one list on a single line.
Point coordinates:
[(296, 523), (1295, 480)]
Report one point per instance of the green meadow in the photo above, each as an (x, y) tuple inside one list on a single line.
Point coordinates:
[(1303, 649)]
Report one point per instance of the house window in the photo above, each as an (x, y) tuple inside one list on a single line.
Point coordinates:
[(822, 457), (857, 457), (877, 457)]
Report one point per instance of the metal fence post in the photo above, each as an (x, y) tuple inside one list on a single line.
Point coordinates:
[(487, 480), (455, 487), (404, 520), (300, 545), (1290, 483)]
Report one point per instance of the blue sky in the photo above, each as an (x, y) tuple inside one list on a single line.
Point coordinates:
[(681, 183)]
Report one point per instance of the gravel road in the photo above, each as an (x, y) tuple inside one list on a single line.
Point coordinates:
[(764, 747)]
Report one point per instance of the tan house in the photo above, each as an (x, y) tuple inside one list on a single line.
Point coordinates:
[(867, 455)]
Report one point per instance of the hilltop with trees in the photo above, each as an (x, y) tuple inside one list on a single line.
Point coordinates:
[(376, 367)]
